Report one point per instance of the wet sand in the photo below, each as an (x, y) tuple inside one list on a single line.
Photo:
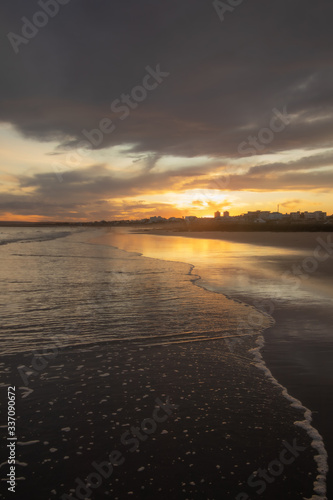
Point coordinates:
[(299, 347), (300, 240), (206, 445)]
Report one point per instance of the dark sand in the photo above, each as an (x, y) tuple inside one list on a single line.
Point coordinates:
[(203, 450)]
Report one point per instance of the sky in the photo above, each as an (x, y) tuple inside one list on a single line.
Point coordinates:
[(131, 109)]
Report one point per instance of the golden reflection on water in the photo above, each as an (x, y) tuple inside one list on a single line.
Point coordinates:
[(190, 250), (231, 266)]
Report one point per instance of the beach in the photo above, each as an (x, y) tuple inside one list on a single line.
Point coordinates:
[(138, 377), (289, 285), (166, 250)]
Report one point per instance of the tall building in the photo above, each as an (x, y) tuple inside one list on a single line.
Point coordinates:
[(217, 214)]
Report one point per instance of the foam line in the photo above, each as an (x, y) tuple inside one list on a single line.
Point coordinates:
[(317, 442)]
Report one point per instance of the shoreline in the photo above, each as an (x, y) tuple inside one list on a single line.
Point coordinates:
[(263, 340), (275, 366)]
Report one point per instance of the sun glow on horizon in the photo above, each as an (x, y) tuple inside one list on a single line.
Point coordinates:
[(150, 184)]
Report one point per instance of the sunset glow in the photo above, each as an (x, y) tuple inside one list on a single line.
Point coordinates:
[(155, 137)]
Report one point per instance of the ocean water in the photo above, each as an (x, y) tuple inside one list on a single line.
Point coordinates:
[(93, 335), (85, 294)]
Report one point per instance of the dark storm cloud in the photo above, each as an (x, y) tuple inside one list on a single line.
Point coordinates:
[(225, 78), (306, 163), (99, 194), (95, 185), (31, 205), (90, 183), (84, 193), (94, 208), (96, 181), (312, 181)]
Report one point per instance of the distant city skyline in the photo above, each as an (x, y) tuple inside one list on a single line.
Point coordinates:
[(295, 215)]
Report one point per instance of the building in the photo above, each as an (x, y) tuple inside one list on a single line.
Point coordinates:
[(217, 215), (318, 215), (275, 216), (295, 215), (265, 215), (157, 218), (252, 216), (175, 219), (226, 214)]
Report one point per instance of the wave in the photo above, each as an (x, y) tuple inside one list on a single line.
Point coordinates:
[(317, 441), (25, 238)]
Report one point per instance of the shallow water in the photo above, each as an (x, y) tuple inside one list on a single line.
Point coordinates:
[(65, 286)]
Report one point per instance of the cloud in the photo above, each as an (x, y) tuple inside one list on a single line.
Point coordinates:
[(97, 184), (97, 193), (91, 209), (225, 78), (98, 181), (291, 204), (312, 181), (304, 163)]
